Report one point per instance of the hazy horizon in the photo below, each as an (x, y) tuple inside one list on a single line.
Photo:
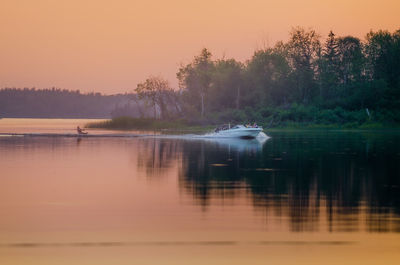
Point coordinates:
[(110, 47)]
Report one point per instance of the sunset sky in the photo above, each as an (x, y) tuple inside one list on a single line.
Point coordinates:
[(110, 46)]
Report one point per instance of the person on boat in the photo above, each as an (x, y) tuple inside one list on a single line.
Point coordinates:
[(81, 131), (255, 125)]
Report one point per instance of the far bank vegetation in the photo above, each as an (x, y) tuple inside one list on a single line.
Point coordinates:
[(340, 82)]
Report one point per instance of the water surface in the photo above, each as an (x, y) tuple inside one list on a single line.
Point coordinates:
[(299, 197)]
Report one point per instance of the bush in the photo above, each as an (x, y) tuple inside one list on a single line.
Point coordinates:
[(126, 123)]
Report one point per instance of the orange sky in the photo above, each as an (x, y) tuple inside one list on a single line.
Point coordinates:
[(110, 46)]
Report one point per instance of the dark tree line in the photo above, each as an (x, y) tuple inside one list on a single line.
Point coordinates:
[(343, 80), (58, 103)]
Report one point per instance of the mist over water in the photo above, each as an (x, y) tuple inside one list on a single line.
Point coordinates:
[(338, 192)]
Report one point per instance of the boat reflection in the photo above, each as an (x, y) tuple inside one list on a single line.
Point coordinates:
[(238, 144)]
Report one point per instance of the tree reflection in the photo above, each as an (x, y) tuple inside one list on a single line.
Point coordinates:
[(354, 179), (342, 181), (157, 155)]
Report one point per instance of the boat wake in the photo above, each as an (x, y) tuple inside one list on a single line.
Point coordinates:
[(71, 135), (261, 136), (234, 143)]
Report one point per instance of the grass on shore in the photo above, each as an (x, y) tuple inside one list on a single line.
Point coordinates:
[(129, 123)]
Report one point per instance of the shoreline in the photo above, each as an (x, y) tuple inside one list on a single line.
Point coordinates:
[(127, 123)]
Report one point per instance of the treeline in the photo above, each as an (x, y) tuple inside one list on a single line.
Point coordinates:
[(61, 103), (340, 81), (343, 81)]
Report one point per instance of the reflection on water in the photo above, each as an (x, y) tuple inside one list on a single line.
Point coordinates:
[(353, 178), (333, 189)]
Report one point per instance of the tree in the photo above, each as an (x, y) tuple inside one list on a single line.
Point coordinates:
[(328, 67), (195, 79), (226, 84), (154, 91), (383, 54), (351, 59), (304, 49), (267, 73), (382, 51)]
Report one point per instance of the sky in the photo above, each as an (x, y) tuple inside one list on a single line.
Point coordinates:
[(111, 46)]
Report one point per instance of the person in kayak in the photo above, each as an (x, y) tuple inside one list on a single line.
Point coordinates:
[(81, 131)]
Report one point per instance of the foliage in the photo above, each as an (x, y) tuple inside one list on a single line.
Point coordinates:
[(157, 92), (345, 81), (342, 82), (195, 78)]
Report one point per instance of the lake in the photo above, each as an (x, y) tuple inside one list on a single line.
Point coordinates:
[(302, 197)]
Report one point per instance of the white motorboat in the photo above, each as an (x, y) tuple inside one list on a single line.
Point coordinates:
[(240, 131)]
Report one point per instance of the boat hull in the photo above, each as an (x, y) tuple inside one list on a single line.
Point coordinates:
[(240, 133)]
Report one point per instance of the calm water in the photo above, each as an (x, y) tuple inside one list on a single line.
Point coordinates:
[(296, 198)]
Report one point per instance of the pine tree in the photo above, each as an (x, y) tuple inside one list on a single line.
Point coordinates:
[(329, 67)]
